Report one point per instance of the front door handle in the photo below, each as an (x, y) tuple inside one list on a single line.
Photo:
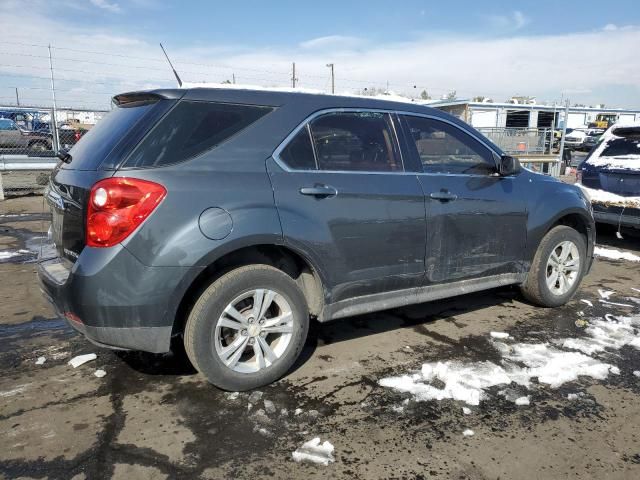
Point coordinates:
[(319, 191), (443, 196)]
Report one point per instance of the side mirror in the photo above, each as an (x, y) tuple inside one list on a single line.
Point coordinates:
[(509, 166)]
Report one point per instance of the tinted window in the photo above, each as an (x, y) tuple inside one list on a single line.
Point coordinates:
[(625, 142), (358, 141), (298, 154), (443, 148), (190, 129), (98, 142)]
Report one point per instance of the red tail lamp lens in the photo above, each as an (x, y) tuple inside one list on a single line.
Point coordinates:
[(117, 206)]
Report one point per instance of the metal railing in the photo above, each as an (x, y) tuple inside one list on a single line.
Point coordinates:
[(23, 174), (521, 141)]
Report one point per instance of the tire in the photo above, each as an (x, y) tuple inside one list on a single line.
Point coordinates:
[(38, 147), (536, 288), (208, 343)]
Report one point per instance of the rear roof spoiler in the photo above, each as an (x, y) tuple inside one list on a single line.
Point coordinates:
[(133, 99)]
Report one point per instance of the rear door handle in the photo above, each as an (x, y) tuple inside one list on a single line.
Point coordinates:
[(319, 191), (443, 196)]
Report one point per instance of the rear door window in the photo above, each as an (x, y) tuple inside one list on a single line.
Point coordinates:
[(192, 128), (355, 141)]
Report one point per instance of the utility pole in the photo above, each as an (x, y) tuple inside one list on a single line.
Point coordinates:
[(564, 131), (233, 78), (56, 138), (293, 75), (17, 97), (333, 78)]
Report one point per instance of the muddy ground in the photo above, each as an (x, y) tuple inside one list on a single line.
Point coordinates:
[(152, 416)]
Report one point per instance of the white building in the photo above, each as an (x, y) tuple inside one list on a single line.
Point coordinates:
[(501, 115)]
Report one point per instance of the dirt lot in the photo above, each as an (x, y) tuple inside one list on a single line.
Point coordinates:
[(152, 416)]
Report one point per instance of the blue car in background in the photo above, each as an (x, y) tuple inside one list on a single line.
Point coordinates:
[(610, 175)]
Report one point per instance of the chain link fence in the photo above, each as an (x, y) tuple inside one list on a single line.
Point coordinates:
[(29, 140)]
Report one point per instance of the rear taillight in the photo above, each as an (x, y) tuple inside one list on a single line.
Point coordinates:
[(77, 136), (117, 206), (579, 176)]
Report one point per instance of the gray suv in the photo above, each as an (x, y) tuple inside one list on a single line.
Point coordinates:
[(228, 219)]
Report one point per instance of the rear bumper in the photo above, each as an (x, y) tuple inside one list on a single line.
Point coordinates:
[(627, 217), (113, 299)]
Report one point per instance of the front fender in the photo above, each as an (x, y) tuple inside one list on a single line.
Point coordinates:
[(551, 202)]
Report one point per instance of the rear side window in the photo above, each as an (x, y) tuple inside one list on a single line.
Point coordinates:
[(355, 141), (443, 148), (192, 128)]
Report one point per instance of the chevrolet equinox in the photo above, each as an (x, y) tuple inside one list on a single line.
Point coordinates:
[(228, 219)]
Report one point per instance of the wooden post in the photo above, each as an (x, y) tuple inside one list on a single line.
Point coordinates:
[(1, 190)]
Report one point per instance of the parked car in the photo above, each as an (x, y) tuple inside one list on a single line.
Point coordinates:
[(611, 175), (226, 219), (575, 139), (14, 138)]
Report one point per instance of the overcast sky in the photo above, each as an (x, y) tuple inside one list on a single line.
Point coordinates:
[(585, 51)]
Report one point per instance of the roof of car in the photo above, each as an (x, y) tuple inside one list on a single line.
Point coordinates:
[(281, 97)]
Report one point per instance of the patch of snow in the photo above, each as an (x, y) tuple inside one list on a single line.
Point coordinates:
[(41, 360), (611, 332), (468, 433), (499, 335), (14, 391), (255, 397), (575, 396), (466, 410), (635, 289), (397, 408), (610, 199), (605, 302), (630, 161), (269, 406), (100, 373), (605, 293), (297, 411), (315, 452), (588, 302), (636, 373), (522, 401), (8, 254), (75, 362), (232, 395), (613, 254)]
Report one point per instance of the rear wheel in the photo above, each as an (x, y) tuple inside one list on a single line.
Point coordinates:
[(557, 268), (247, 328)]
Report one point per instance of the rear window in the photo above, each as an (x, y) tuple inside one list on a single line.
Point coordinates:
[(98, 142), (192, 128), (626, 143)]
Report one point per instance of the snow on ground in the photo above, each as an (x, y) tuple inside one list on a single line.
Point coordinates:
[(75, 362), (552, 365), (588, 302), (614, 254), (4, 255), (315, 452), (608, 198), (468, 433), (499, 335)]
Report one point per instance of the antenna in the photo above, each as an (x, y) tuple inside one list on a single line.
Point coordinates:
[(171, 65)]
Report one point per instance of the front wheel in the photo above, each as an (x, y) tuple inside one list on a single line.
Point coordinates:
[(247, 328), (557, 268)]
